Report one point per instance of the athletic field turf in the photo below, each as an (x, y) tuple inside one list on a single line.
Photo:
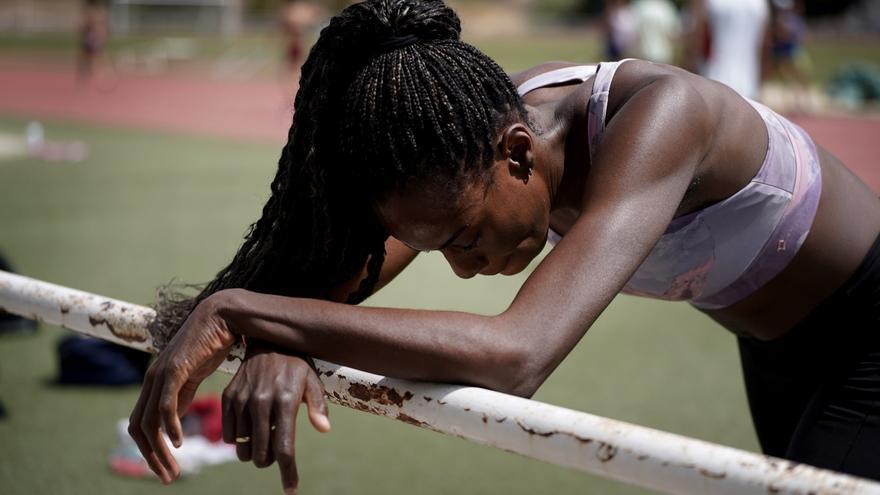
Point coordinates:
[(146, 207)]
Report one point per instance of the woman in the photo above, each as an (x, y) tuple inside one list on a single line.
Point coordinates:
[(650, 178)]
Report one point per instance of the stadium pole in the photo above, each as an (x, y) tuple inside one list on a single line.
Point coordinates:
[(606, 447)]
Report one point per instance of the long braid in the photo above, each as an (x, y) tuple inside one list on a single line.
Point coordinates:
[(368, 121)]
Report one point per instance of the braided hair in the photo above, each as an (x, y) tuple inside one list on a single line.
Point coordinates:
[(389, 96)]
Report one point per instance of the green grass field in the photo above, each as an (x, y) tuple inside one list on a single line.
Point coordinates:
[(144, 208)]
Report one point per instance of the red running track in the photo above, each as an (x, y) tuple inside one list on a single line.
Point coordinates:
[(261, 111), (249, 110)]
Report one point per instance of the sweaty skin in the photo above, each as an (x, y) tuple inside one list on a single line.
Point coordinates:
[(846, 223), (674, 143)]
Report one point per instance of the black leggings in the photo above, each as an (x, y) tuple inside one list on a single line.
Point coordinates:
[(814, 394)]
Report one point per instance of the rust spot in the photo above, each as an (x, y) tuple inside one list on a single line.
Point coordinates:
[(64, 309), (580, 439), (328, 373), (467, 409), (501, 420), (773, 489), (427, 399), (642, 457), (409, 419), (485, 419), (441, 402), (343, 377), (97, 321), (531, 431), (379, 394), (712, 474), (106, 305), (606, 452)]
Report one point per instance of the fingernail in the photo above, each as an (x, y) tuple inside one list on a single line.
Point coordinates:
[(325, 422)]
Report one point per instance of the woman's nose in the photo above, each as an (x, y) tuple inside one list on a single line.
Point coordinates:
[(464, 265)]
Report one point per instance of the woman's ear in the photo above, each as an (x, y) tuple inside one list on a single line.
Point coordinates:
[(516, 147)]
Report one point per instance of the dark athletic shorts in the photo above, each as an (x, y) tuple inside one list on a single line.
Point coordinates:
[(814, 394)]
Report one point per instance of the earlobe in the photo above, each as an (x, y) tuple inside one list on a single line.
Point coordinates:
[(516, 148)]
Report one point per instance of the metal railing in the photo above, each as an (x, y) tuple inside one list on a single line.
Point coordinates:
[(614, 449)]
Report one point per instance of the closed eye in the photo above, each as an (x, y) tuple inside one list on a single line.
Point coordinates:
[(472, 245)]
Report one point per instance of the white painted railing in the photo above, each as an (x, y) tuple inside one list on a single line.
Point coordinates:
[(633, 454)]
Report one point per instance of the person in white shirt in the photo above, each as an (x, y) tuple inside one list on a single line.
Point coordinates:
[(736, 34), (658, 30)]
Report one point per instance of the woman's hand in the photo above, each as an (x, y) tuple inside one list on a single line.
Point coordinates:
[(198, 348), (260, 405)]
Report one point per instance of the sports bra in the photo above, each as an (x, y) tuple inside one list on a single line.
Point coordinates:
[(720, 254)]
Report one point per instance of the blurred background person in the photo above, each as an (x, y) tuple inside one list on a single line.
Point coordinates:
[(93, 33), (729, 37), (620, 29), (789, 61), (297, 19), (658, 30)]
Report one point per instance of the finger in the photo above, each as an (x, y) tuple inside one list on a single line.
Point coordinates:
[(317, 404), (283, 443), (137, 433), (150, 424), (242, 431), (260, 407), (227, 404), (168, 400), (184, 400)]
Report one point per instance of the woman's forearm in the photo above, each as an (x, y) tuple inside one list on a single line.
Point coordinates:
[(422, 345)]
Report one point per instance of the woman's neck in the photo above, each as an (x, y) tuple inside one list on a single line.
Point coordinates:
[(562, 157)]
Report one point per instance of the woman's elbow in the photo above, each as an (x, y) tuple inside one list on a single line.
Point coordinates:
[(512, 368)]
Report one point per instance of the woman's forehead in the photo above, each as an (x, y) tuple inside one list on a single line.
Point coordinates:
[(426, 219)]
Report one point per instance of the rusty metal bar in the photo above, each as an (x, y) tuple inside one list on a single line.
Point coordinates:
[(629, 453)]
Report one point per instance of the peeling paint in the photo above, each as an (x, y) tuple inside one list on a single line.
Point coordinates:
[(379, 394), (130, 336), (411, 420), (606, 452), (711, 474), (531, 431)]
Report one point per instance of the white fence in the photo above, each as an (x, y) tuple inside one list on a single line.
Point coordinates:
[(633, 454)]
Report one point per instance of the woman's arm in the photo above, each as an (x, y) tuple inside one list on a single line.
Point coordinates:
[(658, 138)]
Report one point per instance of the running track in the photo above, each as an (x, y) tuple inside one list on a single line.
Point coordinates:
[(261, 111)]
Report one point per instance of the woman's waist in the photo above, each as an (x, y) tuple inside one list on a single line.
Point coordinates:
[(846, 292)]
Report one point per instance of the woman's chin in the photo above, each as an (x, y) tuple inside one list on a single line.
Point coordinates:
[(515, 265)]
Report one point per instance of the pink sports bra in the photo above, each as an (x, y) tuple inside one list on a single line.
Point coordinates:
[(720, 254)]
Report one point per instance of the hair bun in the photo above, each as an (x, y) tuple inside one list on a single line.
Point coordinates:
[(388, 24)]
